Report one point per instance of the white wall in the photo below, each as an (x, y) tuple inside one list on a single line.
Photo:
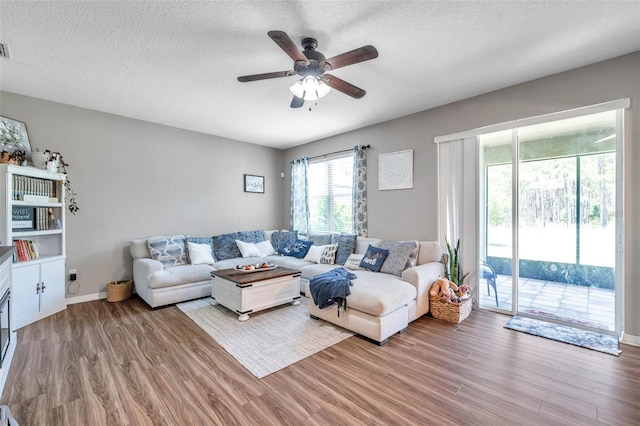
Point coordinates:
[(412, 213), (136, 179)]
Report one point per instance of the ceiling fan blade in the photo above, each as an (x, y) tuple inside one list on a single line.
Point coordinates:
[(265, 76), (353, 57), (282, 39), (297, 102), (343, 86)]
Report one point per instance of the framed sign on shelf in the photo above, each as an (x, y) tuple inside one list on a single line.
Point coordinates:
[(395, 170), (253, 183)]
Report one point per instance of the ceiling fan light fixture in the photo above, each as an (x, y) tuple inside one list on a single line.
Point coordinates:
[(310, 88)]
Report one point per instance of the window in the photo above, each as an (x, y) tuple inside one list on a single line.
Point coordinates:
[(330, 195)]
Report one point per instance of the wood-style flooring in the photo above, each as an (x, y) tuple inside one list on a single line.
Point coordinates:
[(100, 363)]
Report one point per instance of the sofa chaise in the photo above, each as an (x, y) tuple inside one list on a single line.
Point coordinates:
[(167, 270)]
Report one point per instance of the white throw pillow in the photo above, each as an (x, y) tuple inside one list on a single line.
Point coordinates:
[(261, 249), (199, 253), (247, 249), (314, 254), (353, 261)]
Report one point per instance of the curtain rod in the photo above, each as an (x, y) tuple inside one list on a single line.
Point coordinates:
[(339, 152)]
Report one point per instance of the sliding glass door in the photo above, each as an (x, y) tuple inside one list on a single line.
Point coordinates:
[(548, 231)]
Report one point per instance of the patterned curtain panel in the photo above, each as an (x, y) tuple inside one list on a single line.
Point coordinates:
[(360, 225), (299, 220)]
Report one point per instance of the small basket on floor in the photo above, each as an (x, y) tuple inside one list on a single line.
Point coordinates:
[(454, 313), (117, 291)]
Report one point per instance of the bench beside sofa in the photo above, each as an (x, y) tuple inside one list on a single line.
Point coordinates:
[(379, 306)]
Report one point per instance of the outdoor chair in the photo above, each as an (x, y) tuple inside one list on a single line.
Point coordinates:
[(488, 273)]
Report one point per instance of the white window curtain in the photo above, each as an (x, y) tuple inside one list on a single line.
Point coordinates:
[(457, 206), (299, 218)]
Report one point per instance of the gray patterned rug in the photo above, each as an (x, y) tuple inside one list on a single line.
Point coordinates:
[(270, 340), (574, 336)]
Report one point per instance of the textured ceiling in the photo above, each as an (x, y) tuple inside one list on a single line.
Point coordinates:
[(176, 63)]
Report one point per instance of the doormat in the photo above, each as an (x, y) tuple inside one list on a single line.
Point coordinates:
[(573, 336)]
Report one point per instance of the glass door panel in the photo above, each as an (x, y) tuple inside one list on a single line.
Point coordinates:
[(566, 221), (495, 289)]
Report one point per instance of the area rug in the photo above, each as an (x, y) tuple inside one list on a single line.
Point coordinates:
[(574, 336), (270, 340)]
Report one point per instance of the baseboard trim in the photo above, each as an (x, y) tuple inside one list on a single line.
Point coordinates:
[(86, 298), (630, 339)]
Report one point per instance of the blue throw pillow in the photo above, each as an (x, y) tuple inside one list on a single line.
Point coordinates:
[(374, 258), (346, 246), (295, 248)]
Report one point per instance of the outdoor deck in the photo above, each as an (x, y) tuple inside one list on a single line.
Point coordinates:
[(589, 306)]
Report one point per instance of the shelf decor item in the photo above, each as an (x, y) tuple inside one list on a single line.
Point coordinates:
[(14, 142), (117, 291)]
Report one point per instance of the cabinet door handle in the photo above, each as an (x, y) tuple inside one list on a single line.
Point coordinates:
[(43, 286), (38, 288)]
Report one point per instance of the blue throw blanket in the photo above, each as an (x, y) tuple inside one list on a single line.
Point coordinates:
[(331, 287)]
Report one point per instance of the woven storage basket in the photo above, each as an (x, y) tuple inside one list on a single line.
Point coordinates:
[(117, 291), (451, 312)]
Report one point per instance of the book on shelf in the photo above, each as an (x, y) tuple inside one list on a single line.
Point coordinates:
[(34, 190), (27, 250)]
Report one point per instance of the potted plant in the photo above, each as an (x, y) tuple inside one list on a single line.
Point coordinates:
[(55, 163), (452, 267)]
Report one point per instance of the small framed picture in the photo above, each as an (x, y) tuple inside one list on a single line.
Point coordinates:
[(254, 183)]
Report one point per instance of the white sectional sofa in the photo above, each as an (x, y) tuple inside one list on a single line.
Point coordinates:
[(380, 305)]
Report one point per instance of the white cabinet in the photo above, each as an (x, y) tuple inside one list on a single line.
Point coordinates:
[(37, 291), (33, 220)]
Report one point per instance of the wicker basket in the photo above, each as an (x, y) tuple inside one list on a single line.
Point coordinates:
[(451, 312), (117, 291)]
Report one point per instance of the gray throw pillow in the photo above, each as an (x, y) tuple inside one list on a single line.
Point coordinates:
[(346, 246), (399, 252), (320, 239), (280, 238)]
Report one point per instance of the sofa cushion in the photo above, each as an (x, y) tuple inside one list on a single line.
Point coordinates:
[(200, 240), (430, 251), (399, 252), (379, 294), (168, 250), (374, 258), (179, 275), (320, 239), (289, 262), (138, 248), (295, 248), (362, 244), (251, 236), (280, 238), (225, 247), (310, 270), (346, 246)]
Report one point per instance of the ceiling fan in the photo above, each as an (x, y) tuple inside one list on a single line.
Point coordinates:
[(312, 66)]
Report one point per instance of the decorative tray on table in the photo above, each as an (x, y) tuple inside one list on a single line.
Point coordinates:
[(255, 267)]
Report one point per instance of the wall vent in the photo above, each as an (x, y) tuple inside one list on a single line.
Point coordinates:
[(4, 51)]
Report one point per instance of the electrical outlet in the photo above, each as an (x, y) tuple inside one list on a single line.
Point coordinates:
[(73, 274)]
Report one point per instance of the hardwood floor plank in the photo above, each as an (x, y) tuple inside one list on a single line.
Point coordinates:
[(100, 363)]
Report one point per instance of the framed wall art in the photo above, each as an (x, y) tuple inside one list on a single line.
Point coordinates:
[(253, 183), (395, 170), (13, 136)]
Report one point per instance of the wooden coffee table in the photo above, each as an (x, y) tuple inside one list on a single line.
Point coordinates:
[(248, 292)]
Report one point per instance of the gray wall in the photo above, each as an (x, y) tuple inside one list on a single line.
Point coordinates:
[(412, 213), (136, 179)]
